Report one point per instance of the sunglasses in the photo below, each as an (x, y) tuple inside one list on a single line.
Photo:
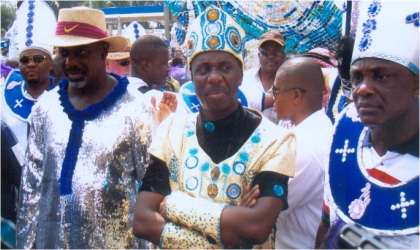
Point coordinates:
[(274, 53), (123, 63), (276, 92), (35, 58)]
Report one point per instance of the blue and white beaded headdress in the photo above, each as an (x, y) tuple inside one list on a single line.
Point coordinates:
[(133, 31), (389, 30), (215, 30), (35, 22)]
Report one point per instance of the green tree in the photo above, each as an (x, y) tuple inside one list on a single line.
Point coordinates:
[(7, 17), (121, 3), (56, 5), (97, 4), (146, 3)]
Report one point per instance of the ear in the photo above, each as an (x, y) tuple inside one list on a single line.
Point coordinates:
[(107, 65), (145, 65), (241, 76), (416, 85), (50, 62), (192, 77), (298, 96), (104, 50)]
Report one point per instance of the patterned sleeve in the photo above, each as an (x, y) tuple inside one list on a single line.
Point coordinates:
[(277, 165), (281, 156), (272, 184), (30, 190)]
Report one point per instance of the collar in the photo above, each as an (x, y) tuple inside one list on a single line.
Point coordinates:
[(28, 96), (311, 119), (411, 147), (223, 123), (136, 82)]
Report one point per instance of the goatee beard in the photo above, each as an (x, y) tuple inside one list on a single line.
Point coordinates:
[(33, 82), (77, 84)]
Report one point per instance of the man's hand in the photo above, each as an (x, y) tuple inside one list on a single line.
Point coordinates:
[(167, 105), (162, 207), (249, 199)]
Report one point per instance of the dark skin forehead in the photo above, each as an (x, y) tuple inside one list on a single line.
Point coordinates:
[(226, 58), (271, 45), (92, 47), (376, 64), (34, 52)]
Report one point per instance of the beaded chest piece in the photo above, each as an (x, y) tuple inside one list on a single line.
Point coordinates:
[(221, 183), (382, 208)]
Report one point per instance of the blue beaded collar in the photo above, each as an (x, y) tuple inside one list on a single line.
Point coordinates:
[(383, 209)]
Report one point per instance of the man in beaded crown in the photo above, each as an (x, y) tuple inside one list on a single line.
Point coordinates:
[(372, 176), (197, 190), (87, 148)]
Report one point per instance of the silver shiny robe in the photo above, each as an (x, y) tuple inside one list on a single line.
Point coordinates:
[(111, 162)]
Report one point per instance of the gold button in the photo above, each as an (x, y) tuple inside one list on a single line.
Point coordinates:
[(213, 41), (235, 39), (215, 173), (212, 190), (190, 44), (212, 15)]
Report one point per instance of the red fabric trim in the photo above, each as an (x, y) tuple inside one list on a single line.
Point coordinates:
[(325, 207), (80, 29), (382, 176)]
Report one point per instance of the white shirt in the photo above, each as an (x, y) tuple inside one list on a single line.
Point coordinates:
[(252, 87), (297, 226), (136, 83)]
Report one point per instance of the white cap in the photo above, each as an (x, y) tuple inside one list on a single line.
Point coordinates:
[(35, 22), (389, 30)]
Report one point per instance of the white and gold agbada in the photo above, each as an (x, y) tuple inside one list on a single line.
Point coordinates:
[(192, 172)]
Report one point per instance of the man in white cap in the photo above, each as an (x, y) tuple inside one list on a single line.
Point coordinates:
[(372, 178), (87, 148), (271, 55), (23, 87), (195, 193)]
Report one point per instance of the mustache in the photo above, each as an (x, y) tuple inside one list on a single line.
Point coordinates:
[(215, 89), (74, 70)]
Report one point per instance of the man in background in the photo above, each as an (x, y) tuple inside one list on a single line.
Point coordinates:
[(149, 69), (298, 90), (271, 55)]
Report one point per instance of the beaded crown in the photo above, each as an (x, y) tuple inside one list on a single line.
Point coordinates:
[(35, 22), (215, 30), (389, 30)]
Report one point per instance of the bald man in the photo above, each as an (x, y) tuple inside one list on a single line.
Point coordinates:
[(149, 70), (297, 90)]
